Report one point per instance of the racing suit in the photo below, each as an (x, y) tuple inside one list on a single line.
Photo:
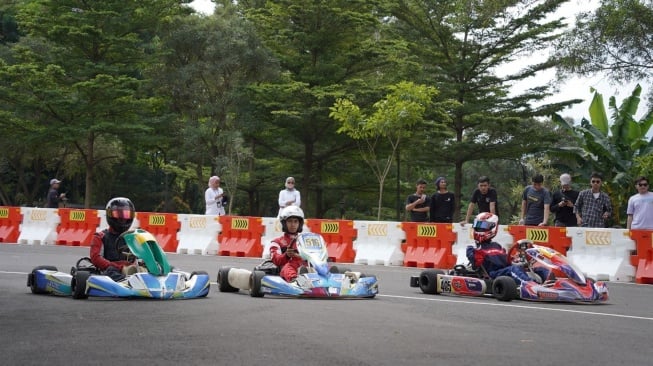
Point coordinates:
[(491, 256), (288, 265), (105, 255)]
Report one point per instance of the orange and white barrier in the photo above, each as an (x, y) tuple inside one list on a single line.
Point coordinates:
[(77, 226), (39, 226), (198, 234), (10, 219), (241, 236), (429, 245), (379, 242), (602, 254)]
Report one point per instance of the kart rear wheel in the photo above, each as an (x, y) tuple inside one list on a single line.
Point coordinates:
[(78, 285), (504, 288), (223, 280), (428, 281), (31, 279), (255, 284)]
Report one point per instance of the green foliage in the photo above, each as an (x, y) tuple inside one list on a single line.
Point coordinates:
[(612, 146)]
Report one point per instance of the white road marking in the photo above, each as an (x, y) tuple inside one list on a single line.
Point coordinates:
[(440, 299)]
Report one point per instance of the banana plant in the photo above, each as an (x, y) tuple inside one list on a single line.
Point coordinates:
[(611, 145)]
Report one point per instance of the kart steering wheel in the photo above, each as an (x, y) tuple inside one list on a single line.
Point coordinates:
[(124, 250)]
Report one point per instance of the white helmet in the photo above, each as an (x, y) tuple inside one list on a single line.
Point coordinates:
[(288, 212)]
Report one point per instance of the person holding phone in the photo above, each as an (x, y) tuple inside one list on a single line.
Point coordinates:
[(562, 205), (418, 204)]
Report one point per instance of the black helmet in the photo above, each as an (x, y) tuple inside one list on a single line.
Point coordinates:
[(120, 214)]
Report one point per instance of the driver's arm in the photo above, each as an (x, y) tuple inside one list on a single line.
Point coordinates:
[(96, 257)]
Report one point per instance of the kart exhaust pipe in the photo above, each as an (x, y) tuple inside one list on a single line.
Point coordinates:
[(239, 278)]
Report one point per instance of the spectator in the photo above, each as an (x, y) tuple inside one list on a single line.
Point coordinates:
[(535, 204), (563, 202), (289, 196), (54, 198), (640, 207), (419, 204), (593, 206), (442, 202), (484, 197), (214, 197)]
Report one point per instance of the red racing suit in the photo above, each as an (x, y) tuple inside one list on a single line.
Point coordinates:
[(288, 265), (104, 250)]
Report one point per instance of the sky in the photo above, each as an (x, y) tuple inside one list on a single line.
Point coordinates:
[(573, 88)]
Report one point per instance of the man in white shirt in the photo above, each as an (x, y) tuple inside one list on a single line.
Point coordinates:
[(289, 196), (640, 207), (213, 197)]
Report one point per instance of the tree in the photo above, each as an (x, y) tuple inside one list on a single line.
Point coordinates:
[(613, 145), (87, 89), (614, 39), (461, 45), (392, 118)]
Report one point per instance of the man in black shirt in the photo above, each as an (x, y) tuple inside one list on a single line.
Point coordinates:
[(484, 197), (442, 202), (563, 202), (419, 204)]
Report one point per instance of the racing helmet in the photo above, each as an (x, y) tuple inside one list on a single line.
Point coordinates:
[(486, 226), (288, 212), (120, 214)]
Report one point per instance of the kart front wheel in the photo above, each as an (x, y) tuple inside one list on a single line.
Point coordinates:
[(504, 288), (78, 285), (428, 281), (223, 280), (31, 279), (255, 284)]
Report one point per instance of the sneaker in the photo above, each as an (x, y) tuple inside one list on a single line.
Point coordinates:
[(129, 270)]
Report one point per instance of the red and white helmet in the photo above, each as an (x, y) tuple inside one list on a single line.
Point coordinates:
[(486, 226)]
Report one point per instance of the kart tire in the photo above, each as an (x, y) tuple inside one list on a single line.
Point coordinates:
[(504, 288), (334, 269), (31, 279), (78, 285), (201, 273), (428, 281), (255, 284), (223, 280)]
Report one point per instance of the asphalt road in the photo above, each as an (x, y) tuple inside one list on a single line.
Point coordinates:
[(401, 326)]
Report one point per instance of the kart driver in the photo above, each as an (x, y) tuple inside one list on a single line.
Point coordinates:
[(106, 246), (284, 254), (489, 254)]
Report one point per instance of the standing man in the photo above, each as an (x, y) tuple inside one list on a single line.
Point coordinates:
[(54, 197), (484, 197), (419, 204), (289, 196), (442, 202), (563, 202), (535, 204), (593, 206), (213, 197), (640, 207)]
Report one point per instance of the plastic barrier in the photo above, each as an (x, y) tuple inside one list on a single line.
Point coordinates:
[(272, 231), (379, 242), (39, 226), (602, 254), (429, 245), (548, 236), (643, 259), (241, 236), (163, 226), (339, 236), (198, 234), (10, 219), (77, 226)]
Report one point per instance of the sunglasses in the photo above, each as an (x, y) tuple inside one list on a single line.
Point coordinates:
[(596, 181), (290, 182), (642, 184)]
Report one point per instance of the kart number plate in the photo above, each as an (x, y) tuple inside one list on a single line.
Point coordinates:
[(445, 285), (313, 243)]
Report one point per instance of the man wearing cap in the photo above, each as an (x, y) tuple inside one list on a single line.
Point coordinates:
[(563, 202), (54, 197)]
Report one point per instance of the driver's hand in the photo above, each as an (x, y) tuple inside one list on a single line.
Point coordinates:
[(290, 252)]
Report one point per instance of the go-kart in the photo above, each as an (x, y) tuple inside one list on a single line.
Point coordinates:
[(317, 279), (561, 281), (154, 277)]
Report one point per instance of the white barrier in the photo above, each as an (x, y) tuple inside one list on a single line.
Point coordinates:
[(198, 234), (39, 226), (603, 254), (379, 242)]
